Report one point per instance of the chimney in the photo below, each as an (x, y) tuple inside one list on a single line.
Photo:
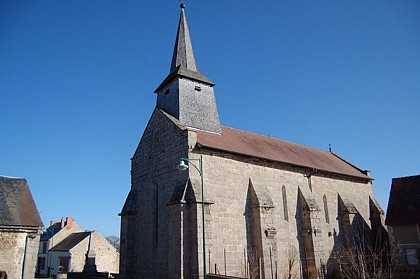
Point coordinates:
[(69, 222), (53, 222), (62, 223)]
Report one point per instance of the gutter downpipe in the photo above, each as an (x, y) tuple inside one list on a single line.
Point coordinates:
[(28, 235), (308, 176), (24, 256), (26, 251)]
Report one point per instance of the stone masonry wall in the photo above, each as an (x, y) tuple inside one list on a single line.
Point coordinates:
[(106, 256), (155, 178), (13, 259), (226, 184)]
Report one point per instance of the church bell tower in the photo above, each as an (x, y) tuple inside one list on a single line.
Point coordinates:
[(186, 93)]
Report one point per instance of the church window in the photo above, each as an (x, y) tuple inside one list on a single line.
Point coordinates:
[(156, 214), (167, 92), (285, 211), (327, 217), (198, 88)]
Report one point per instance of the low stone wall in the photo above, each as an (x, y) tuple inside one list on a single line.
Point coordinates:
[(215, 276)]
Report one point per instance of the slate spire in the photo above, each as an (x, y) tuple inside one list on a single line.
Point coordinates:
[(183, 60), (186, 93), (183, 52)]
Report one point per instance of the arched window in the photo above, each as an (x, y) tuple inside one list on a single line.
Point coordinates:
[(327, 217), (285, 212)]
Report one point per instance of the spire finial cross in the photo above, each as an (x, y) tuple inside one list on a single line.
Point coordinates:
[(182, 6)]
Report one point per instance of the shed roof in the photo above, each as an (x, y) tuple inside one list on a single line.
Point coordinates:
[(69, 242), (403, 204), (258, 146), (17, 206)]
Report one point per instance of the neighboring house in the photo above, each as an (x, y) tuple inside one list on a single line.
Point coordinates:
[(403, 220), (70, 254), (54, 234), (264, 198), (20, 228), (64, 246)]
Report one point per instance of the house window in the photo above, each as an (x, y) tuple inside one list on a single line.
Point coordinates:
[(285, 211), (41, 263), (412, 256), (327, 217), (44, 247)]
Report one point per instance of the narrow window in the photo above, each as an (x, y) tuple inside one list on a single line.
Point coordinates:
[(285, 212), (156, 214), (327, 217)]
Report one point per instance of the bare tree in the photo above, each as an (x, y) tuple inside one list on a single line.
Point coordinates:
[(114, 240), (359, 259), (292, 256)]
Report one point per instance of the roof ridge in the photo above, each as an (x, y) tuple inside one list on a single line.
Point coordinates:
[(5, 176), (271, 137)]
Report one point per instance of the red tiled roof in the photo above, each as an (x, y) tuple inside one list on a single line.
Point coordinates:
[(264, 147), (404, 201)]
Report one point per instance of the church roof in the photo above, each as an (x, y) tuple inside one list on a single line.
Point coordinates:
[(183, 60), (403, 205), (263, 147), (17, 206)]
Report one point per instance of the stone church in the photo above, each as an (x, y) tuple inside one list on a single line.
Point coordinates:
[(271, 208)]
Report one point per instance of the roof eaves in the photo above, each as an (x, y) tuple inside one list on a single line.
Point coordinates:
[(183, 72), (365, 172)]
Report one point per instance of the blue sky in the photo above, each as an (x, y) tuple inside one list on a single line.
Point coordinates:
[(77, 80)]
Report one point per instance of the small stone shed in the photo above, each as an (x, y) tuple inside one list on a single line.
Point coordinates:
[(20, 228)]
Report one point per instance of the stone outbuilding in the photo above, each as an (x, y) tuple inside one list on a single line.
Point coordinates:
[(246, 203), (403, 220), (64, 246), (20, 228)]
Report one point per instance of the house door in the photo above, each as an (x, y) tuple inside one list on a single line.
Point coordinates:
[(64, 264)]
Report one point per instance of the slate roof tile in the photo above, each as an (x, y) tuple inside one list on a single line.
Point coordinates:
[(404, 201), (17, 206)]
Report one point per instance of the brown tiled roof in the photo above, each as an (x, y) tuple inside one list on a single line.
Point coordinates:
[(268, 148), (17, 207), (404, 201)]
